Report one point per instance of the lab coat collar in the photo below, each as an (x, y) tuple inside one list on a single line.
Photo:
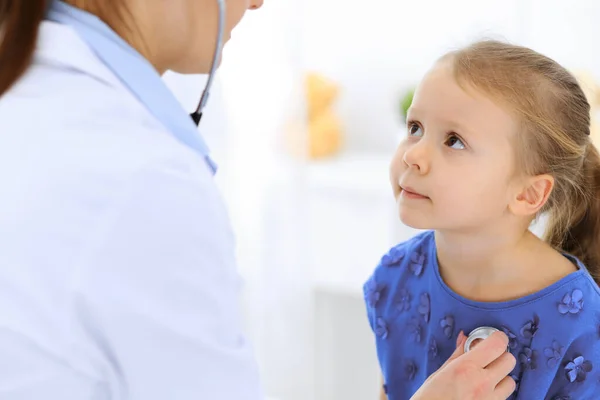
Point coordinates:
[(119, 60), (60, 46)]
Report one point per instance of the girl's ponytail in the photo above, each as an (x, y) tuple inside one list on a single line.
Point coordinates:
[(582, 238)]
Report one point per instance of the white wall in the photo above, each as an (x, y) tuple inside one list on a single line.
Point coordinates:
[(376, 49), (567, 31)]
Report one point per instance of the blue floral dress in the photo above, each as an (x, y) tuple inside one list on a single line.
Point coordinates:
[(416, 318)]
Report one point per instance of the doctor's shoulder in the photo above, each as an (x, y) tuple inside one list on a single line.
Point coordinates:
[(84, 114)]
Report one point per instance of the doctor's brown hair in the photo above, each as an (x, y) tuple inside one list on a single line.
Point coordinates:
[(19, 25), (555, 137)]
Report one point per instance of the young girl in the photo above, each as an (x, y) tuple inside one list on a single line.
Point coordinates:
[(497, 135)]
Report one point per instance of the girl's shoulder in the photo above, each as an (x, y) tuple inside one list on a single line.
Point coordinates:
[(561, 342), (402, 253), (406, 259)]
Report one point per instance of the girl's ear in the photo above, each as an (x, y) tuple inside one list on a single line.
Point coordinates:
[(532, 195)]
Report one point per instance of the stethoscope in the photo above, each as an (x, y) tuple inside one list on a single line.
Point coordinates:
[(481, 333), (197, 115)]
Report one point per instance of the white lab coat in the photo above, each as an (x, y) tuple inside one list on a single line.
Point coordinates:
[(117, 266)]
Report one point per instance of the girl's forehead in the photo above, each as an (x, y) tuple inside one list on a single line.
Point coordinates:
[(440, 99)]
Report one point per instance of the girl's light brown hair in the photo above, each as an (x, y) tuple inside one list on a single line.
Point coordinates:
[(554, 139)]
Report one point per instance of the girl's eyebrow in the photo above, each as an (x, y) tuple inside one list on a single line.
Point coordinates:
[(450, 123)]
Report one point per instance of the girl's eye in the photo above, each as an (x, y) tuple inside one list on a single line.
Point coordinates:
[(455, 142), (414, 130)]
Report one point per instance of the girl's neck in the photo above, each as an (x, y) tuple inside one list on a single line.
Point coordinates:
[(494, 266)]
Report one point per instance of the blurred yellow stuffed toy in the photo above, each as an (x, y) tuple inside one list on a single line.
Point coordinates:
[(591, 88), (324, 127)]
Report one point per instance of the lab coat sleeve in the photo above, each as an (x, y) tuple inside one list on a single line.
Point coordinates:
[(157, 295)]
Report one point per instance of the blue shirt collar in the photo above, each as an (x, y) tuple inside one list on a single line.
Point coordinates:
[(135, 72)]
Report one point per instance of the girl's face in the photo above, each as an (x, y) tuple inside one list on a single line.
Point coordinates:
[(180, 35), (455, 169)]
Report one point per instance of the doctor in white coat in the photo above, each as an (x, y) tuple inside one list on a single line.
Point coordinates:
[(117, 268)]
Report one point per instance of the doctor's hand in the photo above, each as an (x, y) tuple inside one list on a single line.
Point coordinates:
[(480, 374)]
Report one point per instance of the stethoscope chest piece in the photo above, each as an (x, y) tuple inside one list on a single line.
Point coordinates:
[(481, 333)]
